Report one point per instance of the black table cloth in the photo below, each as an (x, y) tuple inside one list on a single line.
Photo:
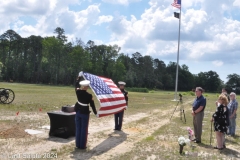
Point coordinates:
[(62, 124)]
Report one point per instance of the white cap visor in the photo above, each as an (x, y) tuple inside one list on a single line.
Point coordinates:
[(84, 83)]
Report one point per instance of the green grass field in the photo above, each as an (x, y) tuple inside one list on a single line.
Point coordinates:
[(160, 143)]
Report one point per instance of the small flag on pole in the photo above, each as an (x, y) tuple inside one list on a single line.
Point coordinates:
[(177, 4), (109, 95), (176, 15), (17, 113)]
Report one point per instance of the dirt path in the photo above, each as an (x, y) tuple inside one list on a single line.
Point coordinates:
[(103, 142), (111, 144)]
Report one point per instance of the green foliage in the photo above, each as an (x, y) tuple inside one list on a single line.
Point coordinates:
[(145, 90), (150, 138), (191, 93), (54, 60)]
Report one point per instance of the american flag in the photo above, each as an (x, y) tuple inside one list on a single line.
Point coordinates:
[(109, 95), (177, 4)]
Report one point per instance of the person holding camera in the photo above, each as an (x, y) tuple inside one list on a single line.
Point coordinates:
[(198, 113)]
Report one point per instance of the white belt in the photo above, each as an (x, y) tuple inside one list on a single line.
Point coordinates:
[(82, 104)]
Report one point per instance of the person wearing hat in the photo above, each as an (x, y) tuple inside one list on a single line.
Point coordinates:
[(118, 117), (79, 78), (198, 113), (82, 114)]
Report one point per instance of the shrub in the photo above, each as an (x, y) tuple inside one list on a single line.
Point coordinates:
[(191, 93), (188, 93)]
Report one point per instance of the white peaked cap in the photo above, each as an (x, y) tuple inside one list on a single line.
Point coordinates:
[(121, 83), (84, 83), (80, 74)]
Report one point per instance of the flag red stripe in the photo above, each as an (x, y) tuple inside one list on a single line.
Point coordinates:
[(111, 99), (102, 115), (112, 86), (117, 92), (104, 78), (112, 107)]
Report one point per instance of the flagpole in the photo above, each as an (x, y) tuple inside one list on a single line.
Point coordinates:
[(176, 83)]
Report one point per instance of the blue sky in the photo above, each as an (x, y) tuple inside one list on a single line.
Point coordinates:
[(210, 29)]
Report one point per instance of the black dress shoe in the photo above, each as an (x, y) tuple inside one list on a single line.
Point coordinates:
[(196, 141)]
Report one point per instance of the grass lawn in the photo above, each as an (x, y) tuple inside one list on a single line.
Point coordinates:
[(152, 136)]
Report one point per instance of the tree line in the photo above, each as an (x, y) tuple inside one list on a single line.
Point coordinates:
[(55, 60)]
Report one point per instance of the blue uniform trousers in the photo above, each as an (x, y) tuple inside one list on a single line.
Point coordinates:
[(81, 121), (118, 117)]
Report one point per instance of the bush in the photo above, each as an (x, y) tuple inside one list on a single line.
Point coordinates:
[(188, 93), (145, 90)]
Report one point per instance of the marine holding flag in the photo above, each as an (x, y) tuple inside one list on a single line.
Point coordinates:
[(82, 114), (118, 117)]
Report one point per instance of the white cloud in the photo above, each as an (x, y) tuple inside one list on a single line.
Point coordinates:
[(202, 38), (104, 19), (236, 3), (121, 2), (74, 23), (217, 63), (206, 31)]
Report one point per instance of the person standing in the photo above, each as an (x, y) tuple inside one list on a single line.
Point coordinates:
[(220, 118), (232, 107), (82, 114), (198, 113), (78, 79), (118, 117)]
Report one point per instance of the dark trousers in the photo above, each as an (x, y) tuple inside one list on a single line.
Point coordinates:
[(197, 123), (118, 117), (81, 121)]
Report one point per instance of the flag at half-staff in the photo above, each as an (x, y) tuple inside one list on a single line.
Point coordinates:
[(108, 94)]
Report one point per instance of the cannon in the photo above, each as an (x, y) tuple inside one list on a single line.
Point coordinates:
[(6, 96)]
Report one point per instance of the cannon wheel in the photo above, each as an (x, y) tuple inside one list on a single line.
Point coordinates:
[(7, 96), (1, 89)]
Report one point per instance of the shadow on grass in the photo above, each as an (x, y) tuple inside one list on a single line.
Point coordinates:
[(228, 151), (113, 140), (205, 145), (236, 137), (60, 140)]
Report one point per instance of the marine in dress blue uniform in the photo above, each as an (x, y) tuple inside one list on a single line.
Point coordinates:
[(118, 117), (79, 78), (82, 114)]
